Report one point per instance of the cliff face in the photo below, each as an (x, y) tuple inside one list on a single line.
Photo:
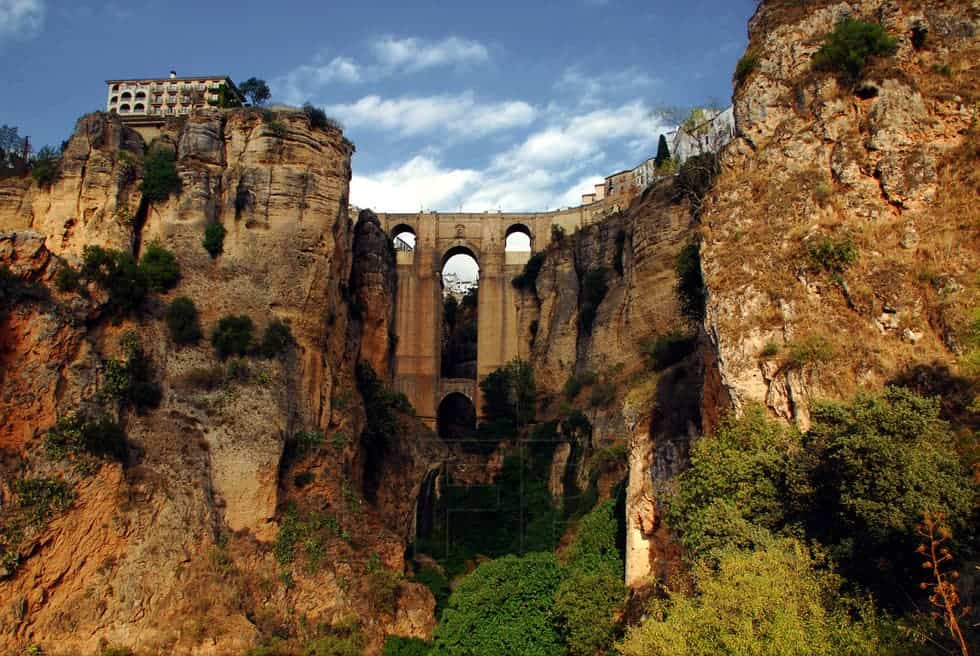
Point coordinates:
[(885, 167), (172, 549), (642, 414)]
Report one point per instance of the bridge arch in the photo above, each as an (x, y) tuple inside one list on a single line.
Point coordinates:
[(456, 416), (518, 237), (404, 237)]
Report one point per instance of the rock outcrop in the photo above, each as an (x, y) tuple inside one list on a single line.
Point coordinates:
[(884, 166), (170, 550)]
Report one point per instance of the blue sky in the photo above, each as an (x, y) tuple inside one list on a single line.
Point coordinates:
[(472, 105)]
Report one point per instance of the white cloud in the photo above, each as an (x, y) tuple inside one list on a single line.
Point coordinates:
[(413, 54), (304, 82), (418, 183), (458, 115), (391, 56), (20, 19), (599, 88), (552, 167)]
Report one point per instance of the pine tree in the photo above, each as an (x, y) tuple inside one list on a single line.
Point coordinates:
[(663, 152)]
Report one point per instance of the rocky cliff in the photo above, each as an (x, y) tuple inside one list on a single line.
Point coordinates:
[(184, 545), (878, 171)]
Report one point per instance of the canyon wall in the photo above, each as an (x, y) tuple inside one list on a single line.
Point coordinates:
[(173, 548)]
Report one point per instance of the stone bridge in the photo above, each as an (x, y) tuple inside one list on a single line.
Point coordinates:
[(418, 322)]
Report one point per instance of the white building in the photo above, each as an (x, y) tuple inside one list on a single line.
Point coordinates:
[(160, 98)]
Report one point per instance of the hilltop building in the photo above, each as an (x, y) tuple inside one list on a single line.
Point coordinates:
[(152, 100)]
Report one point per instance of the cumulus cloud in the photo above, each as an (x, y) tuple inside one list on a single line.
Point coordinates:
[(307, 80), (550, 168), (413, 54), (598, 88), (20, 19), (390, 56), (460, 115), (418, 183)]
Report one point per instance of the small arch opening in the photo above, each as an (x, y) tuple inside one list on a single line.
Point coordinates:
[(460, 303), (114, 100), (139, 107), (126, 95), (518, 239), (403, 237), (456, 418), (140, 95), (124, 108)]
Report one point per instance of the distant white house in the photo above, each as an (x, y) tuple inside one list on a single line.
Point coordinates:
[(708, 135)]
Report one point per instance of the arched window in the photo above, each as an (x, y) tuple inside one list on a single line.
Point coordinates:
[(456, 417), (124, 108), (115, 87), (140, 95), (518, 238), (127, 95), (114, 100), (403, 237), (460, 289), (139, 107)]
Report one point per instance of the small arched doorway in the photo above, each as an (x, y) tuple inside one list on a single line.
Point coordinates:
[(403, 237), (518, 239), (460, 302), (456, 417)]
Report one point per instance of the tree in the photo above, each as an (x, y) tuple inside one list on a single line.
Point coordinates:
[(11, 143), (505, 607), (255, 91), (773, 600), (663, 152)]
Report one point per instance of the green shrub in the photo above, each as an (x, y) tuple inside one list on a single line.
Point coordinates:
[(437, 582), (118, 274), (662, 351), (690, 283), (41, 497), (594, 288), (510, 394), (849, 48), (809, 350), (66, 279), (307, 441), (160, 268), (131, 381), (833, 255), (305, 535), (576, 427), (529, 276), (319, 119), (125, 281), (399, 646), (745, 66), (879, 463), (506, 606), (745, 463), (46, 167), (607, 457), (572, 387), (603, 393), (81, 433), (771, 600), (769, 350), (695, 178), (214, 239), (588, 605), (182, 321), (277, 339), (160, 178), (232, 336)]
